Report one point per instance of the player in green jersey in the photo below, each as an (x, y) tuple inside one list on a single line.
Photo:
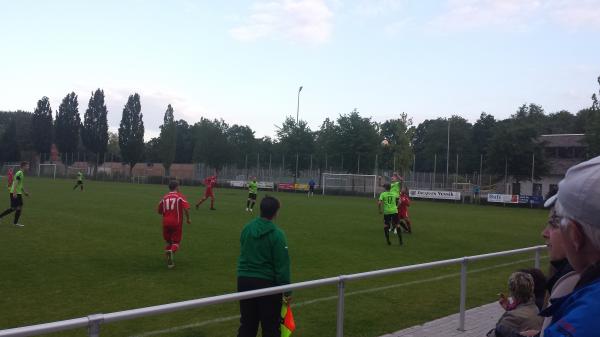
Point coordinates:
[(79, 180), (16, 194), (390, 213), (252, 191)]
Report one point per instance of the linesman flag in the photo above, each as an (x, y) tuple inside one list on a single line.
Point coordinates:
[(287, 320)]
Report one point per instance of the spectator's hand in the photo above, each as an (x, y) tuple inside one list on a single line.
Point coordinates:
[(529, 333)]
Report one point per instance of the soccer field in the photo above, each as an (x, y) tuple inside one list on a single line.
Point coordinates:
[(101, 251)]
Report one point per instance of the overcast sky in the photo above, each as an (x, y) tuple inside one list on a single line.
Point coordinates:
[(244, 60)]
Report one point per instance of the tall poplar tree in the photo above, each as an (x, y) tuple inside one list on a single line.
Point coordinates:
[(41, 126), (131, 132), (66, 126), (168, 140), (95, 127)]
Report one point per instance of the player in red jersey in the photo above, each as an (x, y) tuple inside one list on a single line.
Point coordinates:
[(172, 207), (209, 182), (9, 178), (404, 220)]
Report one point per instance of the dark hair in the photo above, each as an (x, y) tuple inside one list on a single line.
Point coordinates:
[(268, 207), (387, 186), (173, 184)]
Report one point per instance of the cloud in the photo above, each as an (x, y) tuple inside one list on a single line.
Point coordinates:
[(577, 15), (307, 21), (375, 8), (517, 14)]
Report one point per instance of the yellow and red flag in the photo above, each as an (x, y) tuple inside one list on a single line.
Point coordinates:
[(287, 320)]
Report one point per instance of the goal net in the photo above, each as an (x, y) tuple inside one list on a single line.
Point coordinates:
[(334, 183), (47, 170)]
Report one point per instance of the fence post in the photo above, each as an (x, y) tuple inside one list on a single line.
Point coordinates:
[(340, 308), (537, 258), (94, 324), (463, 293)]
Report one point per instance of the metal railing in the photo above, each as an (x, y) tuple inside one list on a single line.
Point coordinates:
[(93, 322)]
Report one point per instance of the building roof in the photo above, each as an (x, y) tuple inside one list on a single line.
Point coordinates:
[(563, 140)]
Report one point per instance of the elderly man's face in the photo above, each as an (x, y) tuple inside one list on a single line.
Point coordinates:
[(554, 237)]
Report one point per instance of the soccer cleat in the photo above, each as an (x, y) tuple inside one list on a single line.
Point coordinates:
[(170, 262), (251, 210), (247, 209), (19, 225)]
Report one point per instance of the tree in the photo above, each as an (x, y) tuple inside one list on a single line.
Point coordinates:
[(67, 124), (113, 147), (326, 142), (94, 133), (482, 133), (210, 143), (184, 149), (168, 140), (512, 147), (398, 132), (131, 132), (592, 127), (241, 138), (359, 140), (41, 126), (9, 148), (295, 139), (560, 122)]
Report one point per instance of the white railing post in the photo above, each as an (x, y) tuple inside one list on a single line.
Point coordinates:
[(463, 293), (94, 325), (537, 258), (340, 308)]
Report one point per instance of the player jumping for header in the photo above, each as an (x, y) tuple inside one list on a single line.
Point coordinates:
[(209, 182), (390, 213), (172, 206), (252, 192)]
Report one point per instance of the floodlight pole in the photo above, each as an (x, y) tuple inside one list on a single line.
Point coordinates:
[(298, 106)]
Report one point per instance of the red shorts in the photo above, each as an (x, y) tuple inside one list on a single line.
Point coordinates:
[(209, 193), (172, 234)]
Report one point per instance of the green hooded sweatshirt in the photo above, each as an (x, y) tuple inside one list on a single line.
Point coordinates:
[(264, 252)]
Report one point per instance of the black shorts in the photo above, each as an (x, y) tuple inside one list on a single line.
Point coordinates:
[(390, 219), (252, 196), (79, 182), (311, 188), (17, 201)]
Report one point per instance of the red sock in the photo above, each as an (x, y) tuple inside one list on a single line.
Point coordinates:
[(174, 247)]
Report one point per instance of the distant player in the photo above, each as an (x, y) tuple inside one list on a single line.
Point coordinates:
[(79, 180), (17, 189), (252, 192), (404, 220), (209, 182), (390, 213), (172, 207), (311, 187), (9, 181)]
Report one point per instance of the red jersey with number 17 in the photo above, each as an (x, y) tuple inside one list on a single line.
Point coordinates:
[(171, 207)]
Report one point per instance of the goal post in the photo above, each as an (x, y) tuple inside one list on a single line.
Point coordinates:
[(338, 183), (47, 170)]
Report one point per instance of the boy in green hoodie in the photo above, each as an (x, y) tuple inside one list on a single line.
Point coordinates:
[(263, 262)]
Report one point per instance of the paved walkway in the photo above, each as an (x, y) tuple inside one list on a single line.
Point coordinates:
[(478, 322)]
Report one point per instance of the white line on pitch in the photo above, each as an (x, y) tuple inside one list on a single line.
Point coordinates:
[(329, 298)]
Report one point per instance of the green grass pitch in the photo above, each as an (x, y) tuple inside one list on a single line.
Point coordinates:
[(101, 251)]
